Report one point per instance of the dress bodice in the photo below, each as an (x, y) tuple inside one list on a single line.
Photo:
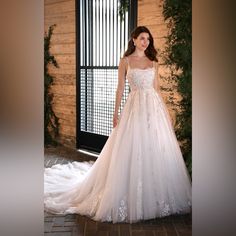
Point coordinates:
[(140, 78)]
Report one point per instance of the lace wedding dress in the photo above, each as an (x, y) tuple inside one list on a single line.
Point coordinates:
[(140, 173)]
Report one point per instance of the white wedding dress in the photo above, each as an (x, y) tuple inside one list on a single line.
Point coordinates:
[(140, 173)]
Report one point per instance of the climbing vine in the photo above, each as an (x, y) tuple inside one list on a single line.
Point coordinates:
[(123, 8), (51, 124), (178, 56)]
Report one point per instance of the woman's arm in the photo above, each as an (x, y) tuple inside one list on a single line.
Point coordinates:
[(156, 83), (120, 89)]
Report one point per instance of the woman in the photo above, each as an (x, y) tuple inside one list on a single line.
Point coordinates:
[(140, 173)]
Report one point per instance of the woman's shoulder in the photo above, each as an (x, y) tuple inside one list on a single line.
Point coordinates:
[(132, 55), (124, 60), (125, 57)]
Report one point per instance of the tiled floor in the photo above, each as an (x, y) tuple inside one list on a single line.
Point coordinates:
[(65, 225)]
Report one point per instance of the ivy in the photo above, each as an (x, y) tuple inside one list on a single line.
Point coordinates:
[(178, 56), (51, 124), (123, 8)]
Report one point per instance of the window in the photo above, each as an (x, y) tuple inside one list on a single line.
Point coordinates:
[(102, 37)]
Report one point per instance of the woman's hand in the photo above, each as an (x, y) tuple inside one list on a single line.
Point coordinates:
[(115, 120)]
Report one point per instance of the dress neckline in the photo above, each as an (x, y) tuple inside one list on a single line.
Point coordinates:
[(148, 68), (141, 69)]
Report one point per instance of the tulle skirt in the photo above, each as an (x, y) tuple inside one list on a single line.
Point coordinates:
[(140, 173)]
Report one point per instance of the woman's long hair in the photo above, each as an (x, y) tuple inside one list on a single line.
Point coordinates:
[(150, 51)]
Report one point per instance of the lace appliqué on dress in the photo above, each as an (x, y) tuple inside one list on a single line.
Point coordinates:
[(140, 79), (123, 210), (168, 208), (165, 209)]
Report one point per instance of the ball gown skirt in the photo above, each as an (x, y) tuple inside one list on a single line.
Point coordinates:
[(140, 173)]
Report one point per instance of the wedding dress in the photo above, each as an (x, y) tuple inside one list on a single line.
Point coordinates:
[(140, 173)]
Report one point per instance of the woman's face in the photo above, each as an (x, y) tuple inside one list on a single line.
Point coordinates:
[(142, 41)]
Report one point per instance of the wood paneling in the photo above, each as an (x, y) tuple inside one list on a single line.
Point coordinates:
[(64, 79), (62, 13), (62, 49), (59, 7), (66, 110), (63, 89), (61, 28), (63, 38), (67, 130), (150, 15), (69, 119), (66, 17)]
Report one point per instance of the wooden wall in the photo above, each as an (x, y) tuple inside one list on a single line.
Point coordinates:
[(150, 15), (62, 13)]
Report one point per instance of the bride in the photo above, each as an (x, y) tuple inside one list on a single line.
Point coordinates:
[(140, 173)]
